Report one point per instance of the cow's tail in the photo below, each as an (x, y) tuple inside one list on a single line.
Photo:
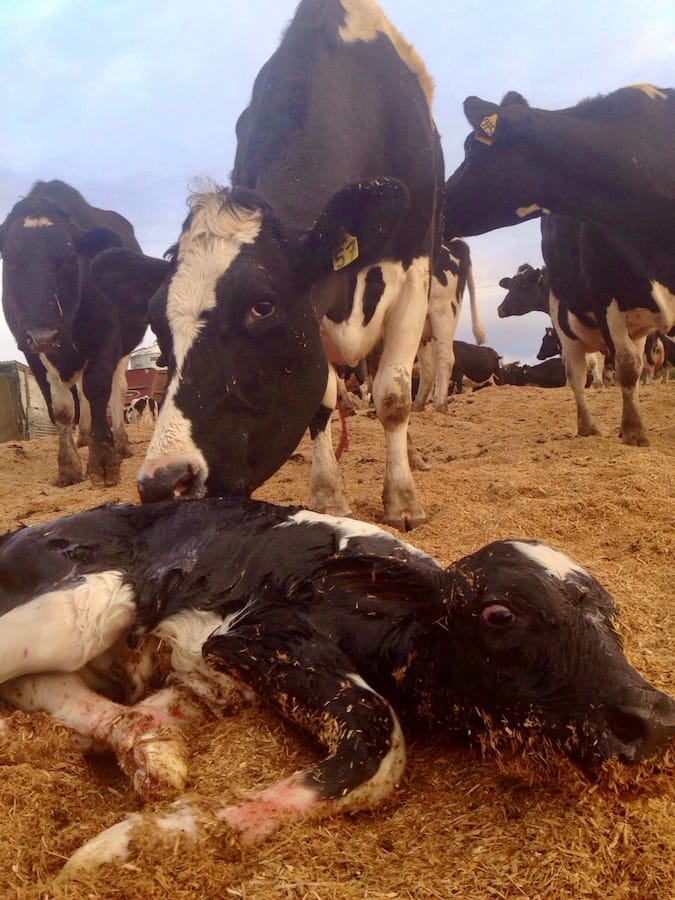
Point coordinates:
[(476, 324)]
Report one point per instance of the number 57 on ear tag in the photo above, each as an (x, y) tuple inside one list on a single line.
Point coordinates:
[(346, 253)]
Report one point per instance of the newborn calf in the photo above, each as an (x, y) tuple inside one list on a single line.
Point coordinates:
[(345, 630)]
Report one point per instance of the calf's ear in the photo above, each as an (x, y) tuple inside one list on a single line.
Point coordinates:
[(94, 241), (127, 278), (355, 227), (505, 283)]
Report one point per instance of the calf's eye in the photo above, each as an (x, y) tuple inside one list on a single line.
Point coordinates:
[(497, 616), (262, 309)]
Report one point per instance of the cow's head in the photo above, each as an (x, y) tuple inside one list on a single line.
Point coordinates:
[(527, 291), (497, 184), (543, 654), (550, 345), (45, 264), (233, 316)]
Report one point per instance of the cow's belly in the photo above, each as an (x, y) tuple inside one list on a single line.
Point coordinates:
[(591, 337), (348, 341), (640, 322)]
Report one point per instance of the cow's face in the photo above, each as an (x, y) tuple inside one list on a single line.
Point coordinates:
[(550, 345), (526, 292), (543, 653), (238, 332), (45, 264), (41, 281), (498, 184)]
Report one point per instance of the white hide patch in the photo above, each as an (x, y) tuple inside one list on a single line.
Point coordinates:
[(37, 222), (186, 632), (206, 250), (665, 300), (555, 562), (62, 630), (365, 20), (347, 529), (523, 211), (651, 91)]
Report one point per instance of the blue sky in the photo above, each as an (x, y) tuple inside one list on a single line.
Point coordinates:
[(130, 102)]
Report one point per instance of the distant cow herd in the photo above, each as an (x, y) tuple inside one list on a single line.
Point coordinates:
[(335, 245)]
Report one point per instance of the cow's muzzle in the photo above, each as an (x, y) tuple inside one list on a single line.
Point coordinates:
[(639, 727), (46, 340), (181, 479)]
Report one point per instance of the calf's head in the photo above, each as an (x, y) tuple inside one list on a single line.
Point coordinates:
[(45, 265), (237, 329), (540, 651)]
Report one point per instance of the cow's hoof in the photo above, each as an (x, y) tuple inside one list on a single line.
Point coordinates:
[(635, 440), (441, 407), (160, 767), (407, 520), (65, 479), (417, 406)]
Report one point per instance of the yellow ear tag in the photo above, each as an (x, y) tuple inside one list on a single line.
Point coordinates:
[(347, 252), (488, 126)]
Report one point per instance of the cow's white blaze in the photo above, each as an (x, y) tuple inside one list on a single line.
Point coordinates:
[(62, 630), (365, 20), (37, 222), (206, 250), (554, 561)]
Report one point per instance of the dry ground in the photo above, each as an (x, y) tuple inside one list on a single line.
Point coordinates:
[(462, 824)]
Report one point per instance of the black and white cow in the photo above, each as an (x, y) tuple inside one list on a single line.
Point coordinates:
[(142, 409), (606, 167), (343, 629), (70, 333), (478, 365), (453, 272), (321, 247)]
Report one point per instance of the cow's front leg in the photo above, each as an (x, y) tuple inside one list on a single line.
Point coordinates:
[(628, 362), (392, 393), (104, 459), (84, 422), (326, 491), (312, 684), (70, 469)]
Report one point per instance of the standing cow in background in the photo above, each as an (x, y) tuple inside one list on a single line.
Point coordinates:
[(69, 332), (453, 273), (521, 161), (328, 232)]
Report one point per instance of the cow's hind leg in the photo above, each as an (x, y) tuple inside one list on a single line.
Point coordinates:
[(63, 408), (312, 684), (628, 361), (326, 491), (392, 395)]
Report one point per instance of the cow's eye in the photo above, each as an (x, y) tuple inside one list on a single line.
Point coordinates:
[(262, 309), (497, 616)]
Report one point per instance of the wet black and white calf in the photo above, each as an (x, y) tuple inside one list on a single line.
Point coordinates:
[(350, 633)]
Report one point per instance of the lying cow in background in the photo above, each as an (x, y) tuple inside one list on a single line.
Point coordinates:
[(595, 362), (69, 332), (142, 409), (655, 359), (436, 355), (322, 247), (343, 629), (550, 373)]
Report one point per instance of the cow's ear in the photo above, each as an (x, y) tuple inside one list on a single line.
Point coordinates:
[(127, 278), (505, 283), (484, 117), (94, 241), (355, 227)]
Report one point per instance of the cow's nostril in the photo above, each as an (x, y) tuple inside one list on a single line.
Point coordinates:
[(629, 725), (183, 480)]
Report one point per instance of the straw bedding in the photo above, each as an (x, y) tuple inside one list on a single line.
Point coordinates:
[(490, 821)]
